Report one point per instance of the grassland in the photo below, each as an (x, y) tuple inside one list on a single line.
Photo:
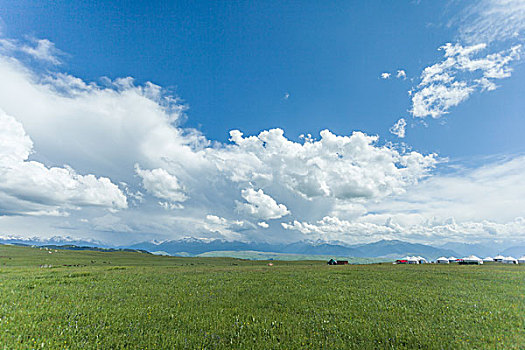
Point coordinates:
[(118, 300), (253, 255)]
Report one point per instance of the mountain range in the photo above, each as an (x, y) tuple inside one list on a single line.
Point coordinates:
[(384, 249), (390, 249)]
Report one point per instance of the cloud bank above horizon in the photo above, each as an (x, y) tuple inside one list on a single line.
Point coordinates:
[(112, 160)]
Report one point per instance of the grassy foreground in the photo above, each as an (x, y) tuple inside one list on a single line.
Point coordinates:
[(138, 301)]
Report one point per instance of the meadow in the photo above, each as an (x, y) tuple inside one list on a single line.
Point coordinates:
[(122, 300)]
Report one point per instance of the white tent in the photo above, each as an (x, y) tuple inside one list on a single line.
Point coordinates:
[(522, 260), (499, 258), (472, 259), (452, 259), (412, 260), (421, 260), (488, 259), (442, 260), (509, 260)]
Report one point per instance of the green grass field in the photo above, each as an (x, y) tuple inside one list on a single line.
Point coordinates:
[(139, 301)]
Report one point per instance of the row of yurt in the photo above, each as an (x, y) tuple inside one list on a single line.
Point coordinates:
[(510, 260), (412, 260), (506, 259), (471, 260)]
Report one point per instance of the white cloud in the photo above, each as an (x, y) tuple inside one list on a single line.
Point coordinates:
[(226, 228), (436, 100), (108, 129), (487, 21), (161, 184), (430, 231), (401, 74), (468, 205), (493, 191), (342, 167), (385, 75), (261, 205), (29, 187), (263, 224), (43, 50), (170, 206), (398, 128), (110, 223), (448, 83), (337, 187), (38, 49)]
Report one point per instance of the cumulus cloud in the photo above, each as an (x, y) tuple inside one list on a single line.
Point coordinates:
[(261, 205), (341, 167), (131, 134), (463, 70), (161, 184), (328, 185), (398, 128), (431, 231), (29, 187), (263, 224), (468, 205), (226, 228)]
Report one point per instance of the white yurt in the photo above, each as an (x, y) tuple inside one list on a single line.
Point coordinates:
[(453, 259), (442, 260), (472, 259), (521, 260), (488, 259), (421, 260), (412, 260), (499, 258), (509, 260)]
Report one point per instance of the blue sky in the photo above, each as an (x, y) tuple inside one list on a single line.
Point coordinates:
[(254, 66), (233, 64)]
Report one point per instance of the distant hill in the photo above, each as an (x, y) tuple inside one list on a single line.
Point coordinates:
[(516, 252), (380, 249), (387, 249), (486, 249), (465, 249), (253, 255), (66, 243), (57, 240), (395, 248), (100, 249)]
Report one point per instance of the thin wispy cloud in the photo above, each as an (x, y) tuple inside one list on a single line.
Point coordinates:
[(38, 49), (487, 21), (464, 70)]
